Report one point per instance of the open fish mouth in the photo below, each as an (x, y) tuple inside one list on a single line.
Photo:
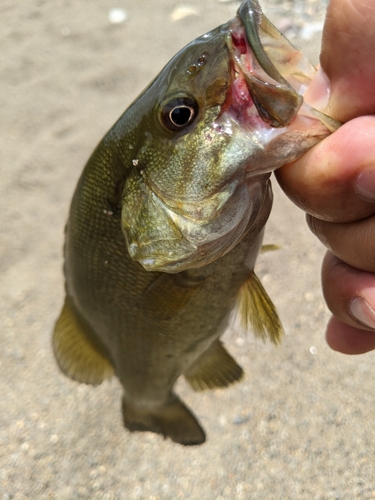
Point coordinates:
[(253, 96), (268, 77)]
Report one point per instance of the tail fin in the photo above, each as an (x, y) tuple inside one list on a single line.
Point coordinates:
[(172, 420)]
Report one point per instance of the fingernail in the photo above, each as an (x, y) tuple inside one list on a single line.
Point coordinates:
[(365, 184), (319, 91), (362, 312)]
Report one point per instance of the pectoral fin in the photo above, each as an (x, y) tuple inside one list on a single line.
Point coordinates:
[(214, 368), (257, 312), (77, 357)]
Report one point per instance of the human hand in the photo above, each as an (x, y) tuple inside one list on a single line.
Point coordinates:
[(335, 181)]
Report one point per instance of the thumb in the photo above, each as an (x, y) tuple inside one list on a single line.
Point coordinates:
[(324, 182), (347, 61)]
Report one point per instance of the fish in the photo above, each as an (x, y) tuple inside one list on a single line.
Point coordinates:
[(167, 220)]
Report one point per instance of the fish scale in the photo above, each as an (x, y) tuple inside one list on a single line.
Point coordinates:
[(168, 217)]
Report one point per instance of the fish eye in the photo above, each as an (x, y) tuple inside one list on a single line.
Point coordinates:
[(178, 113)]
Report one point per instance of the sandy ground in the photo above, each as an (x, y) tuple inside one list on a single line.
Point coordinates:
[(300, 426)]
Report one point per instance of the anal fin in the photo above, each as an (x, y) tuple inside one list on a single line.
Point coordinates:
[(257, 311), (215, 368), (173, 420), (76, 356)]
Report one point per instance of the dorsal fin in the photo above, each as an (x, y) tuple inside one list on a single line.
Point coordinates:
[(77, 357), (257, 311), (214, 368)]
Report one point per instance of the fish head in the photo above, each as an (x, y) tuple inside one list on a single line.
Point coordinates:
[(203, 139)]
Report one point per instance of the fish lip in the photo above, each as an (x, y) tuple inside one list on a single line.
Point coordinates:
[(251, 17)]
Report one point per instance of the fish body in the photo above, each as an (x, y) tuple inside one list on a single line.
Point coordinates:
[(167, 220)]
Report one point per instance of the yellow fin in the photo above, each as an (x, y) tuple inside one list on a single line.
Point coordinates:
[(269, 248), (77, 357), (214, 368), (257, 312)]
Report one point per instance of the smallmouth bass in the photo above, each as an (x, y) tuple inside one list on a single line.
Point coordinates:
[(168, 217)]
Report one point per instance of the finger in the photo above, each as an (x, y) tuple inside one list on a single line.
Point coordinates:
[(335, 180), (347, 57), (353, 243), (348, 339), (349, 293)]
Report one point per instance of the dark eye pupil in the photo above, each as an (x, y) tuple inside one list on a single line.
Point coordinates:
[(178, 113), (181, 116)]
